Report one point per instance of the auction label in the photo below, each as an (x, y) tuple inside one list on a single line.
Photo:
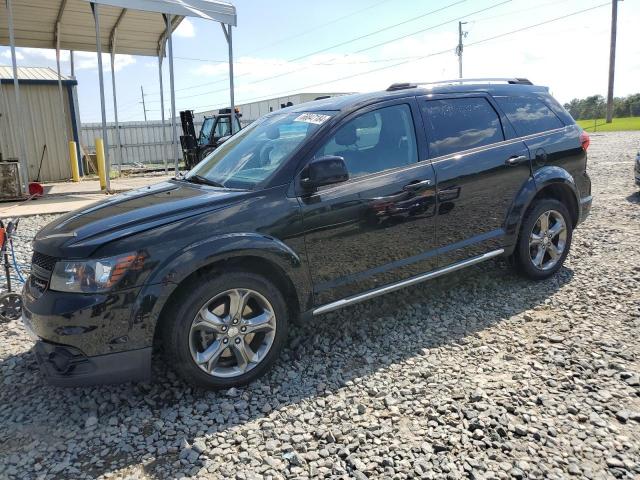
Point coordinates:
[(315, 118)]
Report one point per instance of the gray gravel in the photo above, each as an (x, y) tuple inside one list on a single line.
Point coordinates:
[(477, 375)]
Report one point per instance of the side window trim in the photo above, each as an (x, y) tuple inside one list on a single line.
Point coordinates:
[(548, 100), (539, 99), (419, 135), (508, 133)]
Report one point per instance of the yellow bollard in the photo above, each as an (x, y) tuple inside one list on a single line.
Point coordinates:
[(73, 157), (101, 163)]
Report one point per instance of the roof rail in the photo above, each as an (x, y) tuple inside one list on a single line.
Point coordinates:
[(460, 81), (401, 86)]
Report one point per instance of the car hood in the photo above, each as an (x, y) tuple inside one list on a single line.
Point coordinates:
[(79, 233)]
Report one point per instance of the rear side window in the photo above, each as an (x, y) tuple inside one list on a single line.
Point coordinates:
[(528, 115), (460, 124)]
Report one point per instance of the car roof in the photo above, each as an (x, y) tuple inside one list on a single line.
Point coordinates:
[(354, 100)]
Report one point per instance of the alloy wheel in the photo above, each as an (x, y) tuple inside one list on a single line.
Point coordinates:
[(547, 240), (232, 333)]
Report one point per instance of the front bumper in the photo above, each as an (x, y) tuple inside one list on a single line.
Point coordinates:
[(66, 366), (87, 339)]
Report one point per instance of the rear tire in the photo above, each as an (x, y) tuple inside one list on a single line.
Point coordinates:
[(226, 330), (544, 240)]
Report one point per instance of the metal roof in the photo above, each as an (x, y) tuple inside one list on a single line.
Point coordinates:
[(223, 12), (31, 73), (136, 25)]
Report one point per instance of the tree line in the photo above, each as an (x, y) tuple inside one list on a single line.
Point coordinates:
[(595, 106)]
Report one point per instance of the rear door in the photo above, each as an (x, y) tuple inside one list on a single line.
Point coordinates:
[(478, 172), (378, 227), (542, 124)]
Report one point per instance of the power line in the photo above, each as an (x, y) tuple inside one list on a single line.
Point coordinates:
[(278, 62), (484, 40), (262, 48), (422, 57), (523, 10), (402, 37), (279, 75), (416, 58), (360, 37), (274, 62), (413, 19), (318, 27)]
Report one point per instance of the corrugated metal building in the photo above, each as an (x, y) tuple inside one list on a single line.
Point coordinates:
[(43, 115), (254, 110), (143, 141)]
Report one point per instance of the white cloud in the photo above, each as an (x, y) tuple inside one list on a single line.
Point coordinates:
[(7, 54), (185, 29), (83, 60), (89, 61), (45, 53), (570, 56)]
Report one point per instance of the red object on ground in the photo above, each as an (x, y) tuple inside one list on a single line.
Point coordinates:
[(35, 189)]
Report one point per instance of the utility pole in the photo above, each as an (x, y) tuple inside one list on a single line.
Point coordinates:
[(612, 59), (144, 108), (459, 48)]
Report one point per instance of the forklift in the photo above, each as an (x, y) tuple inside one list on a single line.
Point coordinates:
[(214, 131)]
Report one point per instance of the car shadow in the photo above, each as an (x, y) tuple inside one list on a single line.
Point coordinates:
[(323, 355), (634, 197)]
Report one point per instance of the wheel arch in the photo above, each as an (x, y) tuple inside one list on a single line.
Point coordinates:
[(254, 253), (547, 182)]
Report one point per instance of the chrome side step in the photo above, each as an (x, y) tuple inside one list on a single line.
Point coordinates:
[(405, 283)]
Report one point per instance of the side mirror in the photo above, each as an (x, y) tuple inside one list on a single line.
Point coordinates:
[(324, 171)]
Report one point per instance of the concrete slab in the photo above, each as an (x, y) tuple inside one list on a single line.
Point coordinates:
[(93, 185), (63, 197), (48, 205)]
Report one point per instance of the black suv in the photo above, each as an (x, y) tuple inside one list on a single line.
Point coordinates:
[(307, 210)]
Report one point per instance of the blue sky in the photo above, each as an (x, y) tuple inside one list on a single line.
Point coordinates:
[(305, 46)]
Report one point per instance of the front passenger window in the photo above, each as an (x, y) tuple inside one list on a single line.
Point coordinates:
[(375, 141)]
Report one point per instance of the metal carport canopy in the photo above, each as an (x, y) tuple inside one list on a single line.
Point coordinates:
[(139, 31), (126, 26)]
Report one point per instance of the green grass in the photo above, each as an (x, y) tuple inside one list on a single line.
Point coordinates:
[(618, 124)]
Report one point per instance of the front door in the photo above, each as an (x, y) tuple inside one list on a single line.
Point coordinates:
[(479, 173), (377, 227)]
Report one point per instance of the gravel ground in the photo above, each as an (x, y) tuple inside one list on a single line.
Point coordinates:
[(479, 375)]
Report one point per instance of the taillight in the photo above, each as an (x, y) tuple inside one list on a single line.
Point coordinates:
[(585, 140)]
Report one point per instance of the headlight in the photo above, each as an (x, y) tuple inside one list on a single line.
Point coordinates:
[(88, 276)]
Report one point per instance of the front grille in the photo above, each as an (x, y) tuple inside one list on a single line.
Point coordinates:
[(45, 262)]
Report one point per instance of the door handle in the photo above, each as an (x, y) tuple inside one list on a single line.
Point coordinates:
[(412, 187), (516, 160)]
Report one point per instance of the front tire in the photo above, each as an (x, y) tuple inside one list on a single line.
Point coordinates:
[(544, 240), (227, 330)]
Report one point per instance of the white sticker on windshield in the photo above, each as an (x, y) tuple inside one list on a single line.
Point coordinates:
[(315, 118)]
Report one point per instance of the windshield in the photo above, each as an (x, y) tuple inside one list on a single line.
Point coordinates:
[(253, 154), (223, 127), (205, 131)]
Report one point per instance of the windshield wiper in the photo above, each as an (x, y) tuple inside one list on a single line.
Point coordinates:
[(203, 181)]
